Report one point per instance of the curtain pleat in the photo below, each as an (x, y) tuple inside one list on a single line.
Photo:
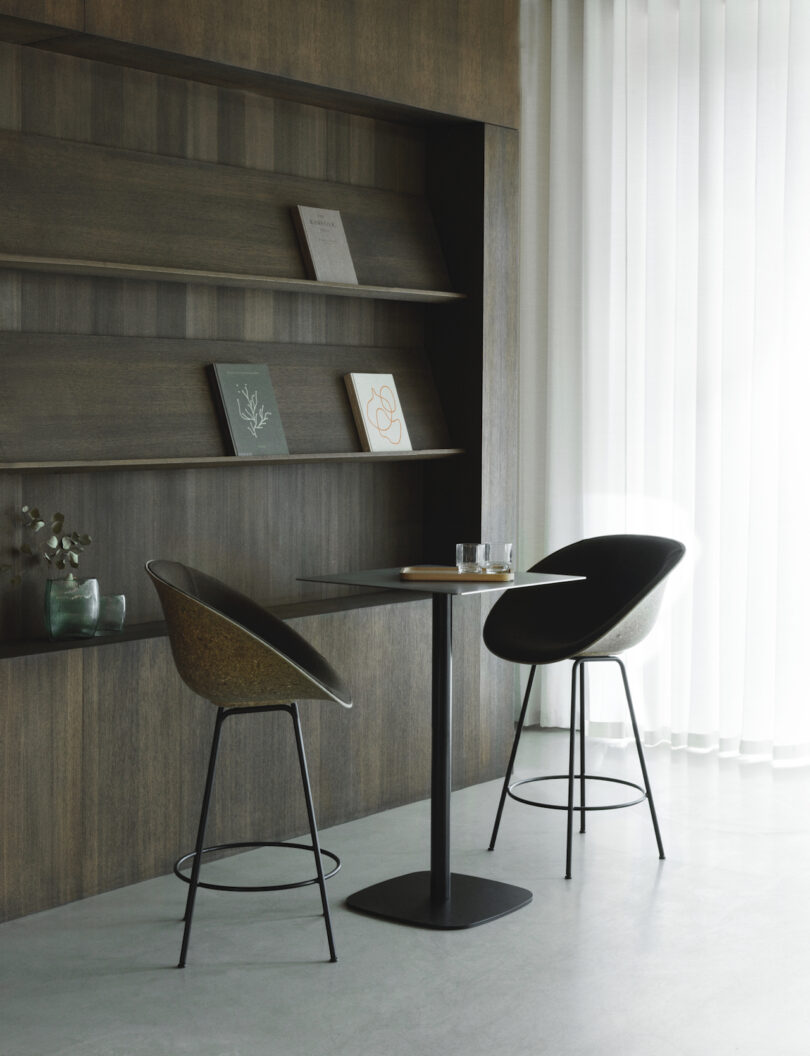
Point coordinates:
[(673, 365)]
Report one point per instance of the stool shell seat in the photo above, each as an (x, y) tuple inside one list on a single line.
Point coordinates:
[(601, 614), (590, 620), (230, 650), (237, 655)]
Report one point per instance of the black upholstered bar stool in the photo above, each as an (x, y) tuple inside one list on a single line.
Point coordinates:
[(591, 620), (243, 660)]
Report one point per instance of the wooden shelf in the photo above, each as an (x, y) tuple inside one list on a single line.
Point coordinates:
[(104, 269), (33, 646), (215, 461), (157, 628)]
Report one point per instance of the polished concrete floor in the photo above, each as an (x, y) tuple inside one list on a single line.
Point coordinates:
[(705, 953)]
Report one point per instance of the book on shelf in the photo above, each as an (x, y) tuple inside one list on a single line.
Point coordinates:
[(323, 244), (377, 412), (248, 408)]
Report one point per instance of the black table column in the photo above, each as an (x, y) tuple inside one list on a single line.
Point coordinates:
[(442, 748)]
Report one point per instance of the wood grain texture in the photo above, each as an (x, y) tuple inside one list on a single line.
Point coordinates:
[(74, 201), (137, 735), (40, 783), (145, 738), (69, 305), (154, 273), (133, 632), (227, 461), (131, 808), (40, 23), (256, 527), (113, 382), (427, 54), (67, 13), (93, 102)]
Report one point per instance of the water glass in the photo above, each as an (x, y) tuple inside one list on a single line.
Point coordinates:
[(469, 557), (111, 613), (498, 557)]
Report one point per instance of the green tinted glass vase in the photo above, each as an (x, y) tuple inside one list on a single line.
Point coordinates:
[(71, 607)]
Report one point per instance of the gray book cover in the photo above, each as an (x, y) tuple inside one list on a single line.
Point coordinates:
[(249, 408), (323, 243)]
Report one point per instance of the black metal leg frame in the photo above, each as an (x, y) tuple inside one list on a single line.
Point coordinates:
[(439, 898), (195, 856), (582, 776)]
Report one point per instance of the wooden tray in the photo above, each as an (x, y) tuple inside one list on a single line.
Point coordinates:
[(450, 574)]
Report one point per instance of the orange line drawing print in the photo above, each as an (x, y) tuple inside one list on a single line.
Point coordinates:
[(381, 412)]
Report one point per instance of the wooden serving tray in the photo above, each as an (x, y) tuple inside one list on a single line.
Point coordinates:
[(450, 574)]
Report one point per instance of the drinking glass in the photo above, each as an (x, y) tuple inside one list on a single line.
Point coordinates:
[(111, 612), (469, 557), (498, 557)]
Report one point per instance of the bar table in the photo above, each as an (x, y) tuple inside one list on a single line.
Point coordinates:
[(437, 898)]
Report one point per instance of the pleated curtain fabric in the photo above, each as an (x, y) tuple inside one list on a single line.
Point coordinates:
[(665, 299)]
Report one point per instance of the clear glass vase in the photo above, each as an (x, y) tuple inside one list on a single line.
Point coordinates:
[(71, 607)]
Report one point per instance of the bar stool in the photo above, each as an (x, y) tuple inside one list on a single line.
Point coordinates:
[(592, 620), (236, 655)]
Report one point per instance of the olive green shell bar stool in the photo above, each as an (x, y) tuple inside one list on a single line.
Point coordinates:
[(243, 660)]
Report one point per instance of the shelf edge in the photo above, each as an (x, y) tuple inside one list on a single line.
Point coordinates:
[(10, 650), (145, 272), (218, 461)]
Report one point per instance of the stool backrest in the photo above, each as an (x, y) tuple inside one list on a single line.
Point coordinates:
[(230, 650), (624, 579), (612, 609)]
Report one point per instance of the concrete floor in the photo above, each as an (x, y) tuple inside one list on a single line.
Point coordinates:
[(706, 953)]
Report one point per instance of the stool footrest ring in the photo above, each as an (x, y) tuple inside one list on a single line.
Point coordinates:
[(577, 777), (267, 887)]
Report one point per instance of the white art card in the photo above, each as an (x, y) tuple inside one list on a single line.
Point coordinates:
[(378, 412)]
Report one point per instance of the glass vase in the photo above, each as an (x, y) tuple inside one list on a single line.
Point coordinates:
[(71, 607)]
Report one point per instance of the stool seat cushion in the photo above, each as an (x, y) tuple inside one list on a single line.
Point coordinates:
[(541, 625)]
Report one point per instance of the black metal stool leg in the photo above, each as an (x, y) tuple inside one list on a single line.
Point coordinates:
[(512, 756), (571, 739), (582, 713), (641, 760), (195, 869), (316, 847)]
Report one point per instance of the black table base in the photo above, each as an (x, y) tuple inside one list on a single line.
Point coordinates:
[(438, 898), (407, 900)]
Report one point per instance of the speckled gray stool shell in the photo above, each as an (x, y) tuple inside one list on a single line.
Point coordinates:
[(237, 655)]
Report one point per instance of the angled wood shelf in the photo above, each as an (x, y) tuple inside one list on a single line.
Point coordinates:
[(110, 270), (157, 628), (215, 461), (33, 646)]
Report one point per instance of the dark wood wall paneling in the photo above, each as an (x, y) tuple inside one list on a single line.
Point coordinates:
[(125, 752), (33, 21), (64, 13), (107, 741), (112, 380), (181, 214), (104, 791), (459, 60), (473, 189)]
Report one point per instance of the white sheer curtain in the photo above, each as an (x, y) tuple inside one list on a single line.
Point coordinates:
[(666, 332)]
